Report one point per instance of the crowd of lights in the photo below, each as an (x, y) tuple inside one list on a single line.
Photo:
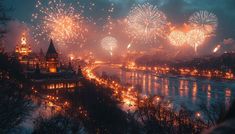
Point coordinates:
[(183, 71), (126, 95)]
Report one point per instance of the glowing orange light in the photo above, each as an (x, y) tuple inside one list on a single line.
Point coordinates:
[(216, 49), (198, 114), (195, 38), (177, 38), (23, 48)]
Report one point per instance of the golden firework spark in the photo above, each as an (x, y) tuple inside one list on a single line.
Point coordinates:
[(109, 43), (146, 22), (177, 38), (59, 21), (204, 20), (216, 49), (195, 38)]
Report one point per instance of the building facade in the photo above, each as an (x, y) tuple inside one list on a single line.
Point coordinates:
[(52, 60), (46, 71)]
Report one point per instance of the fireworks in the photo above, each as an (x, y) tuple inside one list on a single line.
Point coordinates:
[(129, 46), (177, 38), (109, 25), (146, 22), (58, 21), (195, 38), (71, 56), (109, 43), (217, 48), (205, 21)]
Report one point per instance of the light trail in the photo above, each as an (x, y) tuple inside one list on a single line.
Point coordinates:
[(127, 96)]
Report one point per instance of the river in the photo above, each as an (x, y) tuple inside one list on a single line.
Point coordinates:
[(188, 91)]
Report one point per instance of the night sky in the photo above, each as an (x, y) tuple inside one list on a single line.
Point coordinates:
[(177, 11)]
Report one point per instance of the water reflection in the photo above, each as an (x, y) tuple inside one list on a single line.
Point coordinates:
[(180, 90), (208, 94), (194, 93), (227, 97)]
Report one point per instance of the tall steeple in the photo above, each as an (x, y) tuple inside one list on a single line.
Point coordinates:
[(51, 52), (52, 58)]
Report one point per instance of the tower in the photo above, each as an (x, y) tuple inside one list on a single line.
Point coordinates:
[(23, 49), (51, 58)]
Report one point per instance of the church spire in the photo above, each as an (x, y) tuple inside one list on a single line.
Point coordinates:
[(52, 58), (51, 52)]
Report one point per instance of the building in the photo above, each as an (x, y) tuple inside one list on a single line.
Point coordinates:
[(61, 80), (52, 59), (46, 70), (24, 54), (23, 49), (50, 74)]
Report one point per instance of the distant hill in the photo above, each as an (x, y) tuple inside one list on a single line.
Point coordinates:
[(223, 62)]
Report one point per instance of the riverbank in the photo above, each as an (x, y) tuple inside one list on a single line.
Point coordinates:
[(183, 72)]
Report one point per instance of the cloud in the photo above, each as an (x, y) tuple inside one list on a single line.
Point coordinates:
[(228, 41)]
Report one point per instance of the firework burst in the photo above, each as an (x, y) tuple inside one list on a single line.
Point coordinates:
[(195, 38), (60, 22), (177, 38), (204, 20), (146, 22), (109, 43)]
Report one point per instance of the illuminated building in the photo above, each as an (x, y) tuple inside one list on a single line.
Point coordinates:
[(24, 53), (44, 70), (23, 49), (61, 80), (52, 58), (50, 74)]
